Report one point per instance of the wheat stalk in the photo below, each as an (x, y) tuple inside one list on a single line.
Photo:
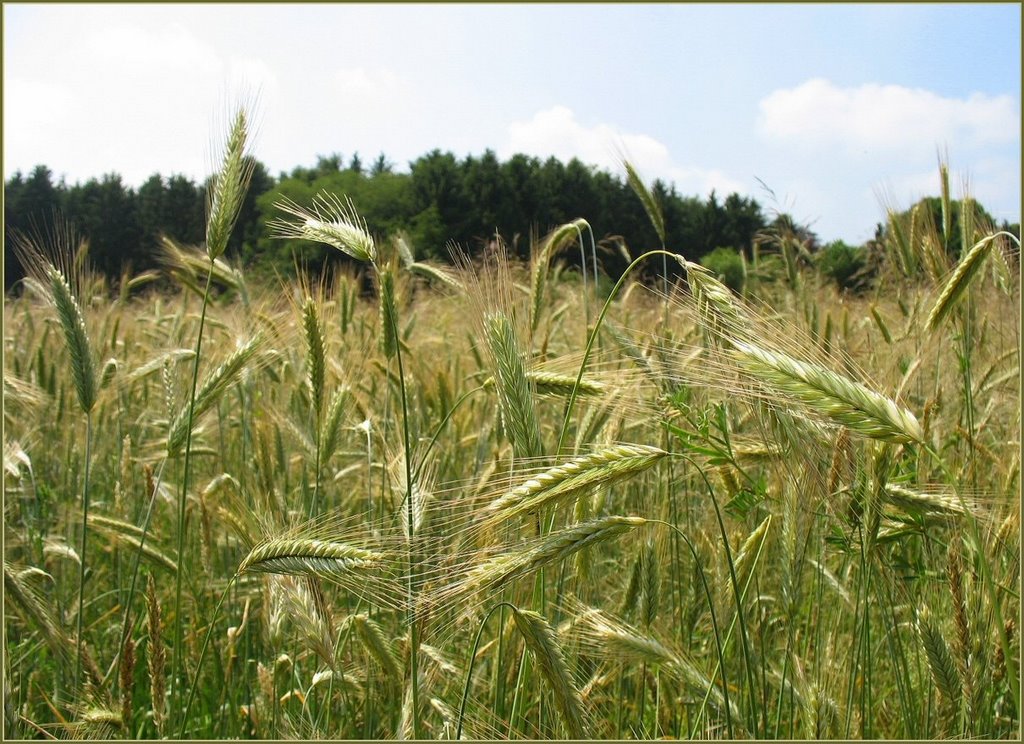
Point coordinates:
[(556, 241), (632, 593), (127, 680), (602, 467), (650, 590), (215, 384), (498, 570), (297, 599), (651, 205), (312, 326), (839, 398), (330, 432), (917, 502), (156, 656), (132, 536), (371, 635), (960, 280), (188, 266), (303, 556), (541, 640), (940, 662), (552, 383), (331, 221), (513, 386), (436, 273), (616, 640), (721, 315), (387, 313), (76, 339), (26, 602), (966, 662), (611, 638), (744, 562)]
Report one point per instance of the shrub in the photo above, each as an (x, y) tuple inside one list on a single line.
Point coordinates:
[(846, 265), (727, 265)]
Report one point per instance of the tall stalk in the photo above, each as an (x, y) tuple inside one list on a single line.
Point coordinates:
[(59, 293), (183, 495), (335, 222), (226, 195), (85, 533), (412, 557)]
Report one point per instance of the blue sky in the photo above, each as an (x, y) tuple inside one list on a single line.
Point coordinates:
[(839, 109)]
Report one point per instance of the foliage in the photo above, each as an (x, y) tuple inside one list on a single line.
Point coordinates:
[(844, 264), (727, 265), (441, 200)]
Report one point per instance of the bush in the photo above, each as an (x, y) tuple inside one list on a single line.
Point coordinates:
[(846, 265), (727, 265)]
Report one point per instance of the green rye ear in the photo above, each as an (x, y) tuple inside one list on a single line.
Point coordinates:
[(227, 191)]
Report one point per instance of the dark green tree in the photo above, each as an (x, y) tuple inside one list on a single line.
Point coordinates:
[(152, 206), (30, 206), (106, 211), (185, 210)]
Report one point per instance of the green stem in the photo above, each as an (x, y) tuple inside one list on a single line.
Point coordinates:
[(593, 337), (469, 666), (85, 533), (410, 523), (126, 624), (714, 627), (202, 656), (178, 656), (751, 691)]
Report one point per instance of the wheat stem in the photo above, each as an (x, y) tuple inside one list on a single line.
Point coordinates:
[(178, 655), (81, 554)]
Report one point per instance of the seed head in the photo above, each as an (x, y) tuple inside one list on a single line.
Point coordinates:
[(329, 220)]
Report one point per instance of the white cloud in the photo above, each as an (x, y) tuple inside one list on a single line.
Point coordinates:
[(127, 99), (132, 48), (368, 84), (555, 131), (368, 97), (885, 117), (991, 181), (37, 102)]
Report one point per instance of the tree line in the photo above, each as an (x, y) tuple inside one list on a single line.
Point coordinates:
[(442, 200)]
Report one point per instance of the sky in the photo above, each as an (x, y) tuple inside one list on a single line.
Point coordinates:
[(830, 113)]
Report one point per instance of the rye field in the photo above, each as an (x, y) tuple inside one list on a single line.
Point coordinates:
[(512, 500)]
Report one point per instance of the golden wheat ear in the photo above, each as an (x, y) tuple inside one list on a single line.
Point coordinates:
[(211, 390), (330, 220), (51, 261), (515, 395), (156, 654), (602, 467), (844, 401), (541, 640), (300, 557), (958, 282)]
